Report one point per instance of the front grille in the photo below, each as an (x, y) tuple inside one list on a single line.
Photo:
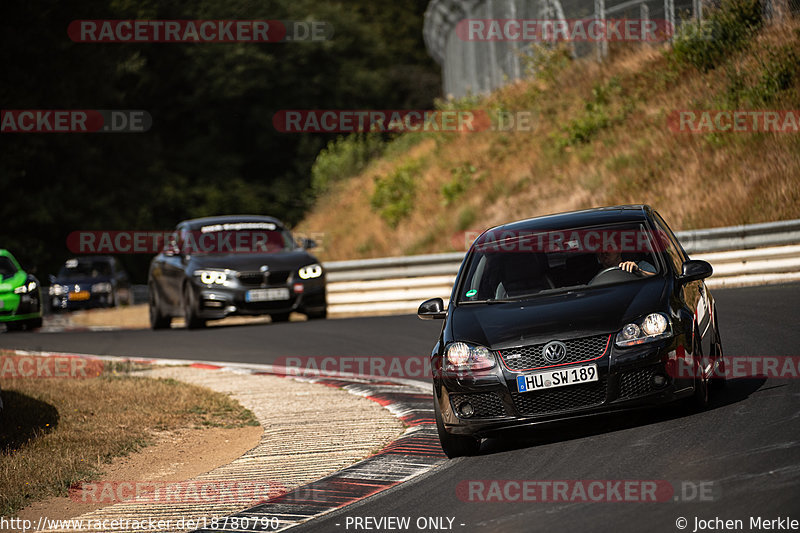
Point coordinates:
[(636, 382), (485, 404), (256, 278), (560, 399), (530, 357)]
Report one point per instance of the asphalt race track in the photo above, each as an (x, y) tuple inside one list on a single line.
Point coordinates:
[(738, 459)]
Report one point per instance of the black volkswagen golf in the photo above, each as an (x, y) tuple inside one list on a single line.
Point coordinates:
[(216, 267), (569, 315)]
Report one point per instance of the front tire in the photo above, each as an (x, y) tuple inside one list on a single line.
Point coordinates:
[(280, 317), (318, 315), (190, 309), (157, 319), (454, 445)]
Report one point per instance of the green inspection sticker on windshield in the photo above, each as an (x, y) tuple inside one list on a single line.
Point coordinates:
[(471, 293)]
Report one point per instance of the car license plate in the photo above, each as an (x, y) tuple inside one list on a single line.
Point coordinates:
[(267, 295), (79, 296), (556, 378)]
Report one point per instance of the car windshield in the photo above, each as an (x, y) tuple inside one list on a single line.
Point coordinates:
[(240, 237), (514, 265), (7, 267), (84, 268)]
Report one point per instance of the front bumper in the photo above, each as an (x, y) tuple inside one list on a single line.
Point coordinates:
[(14, 307), (216, 302), (626, 380)]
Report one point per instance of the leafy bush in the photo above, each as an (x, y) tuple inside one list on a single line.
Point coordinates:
[(343, 158), (705, 44), (596, 116), (393, 197), (463, 177)]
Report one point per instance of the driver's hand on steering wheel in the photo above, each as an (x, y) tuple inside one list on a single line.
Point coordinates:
[(629, 266)]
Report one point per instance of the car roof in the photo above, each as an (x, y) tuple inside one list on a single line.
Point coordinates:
[(572, 219), (195, 223)]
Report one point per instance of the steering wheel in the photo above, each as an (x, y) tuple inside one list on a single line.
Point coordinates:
[(612, 275)]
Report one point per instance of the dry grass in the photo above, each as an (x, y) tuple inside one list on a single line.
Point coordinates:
[(55, 432), (694, 180)]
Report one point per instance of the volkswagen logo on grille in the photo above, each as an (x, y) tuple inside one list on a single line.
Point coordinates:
[(554, 351)]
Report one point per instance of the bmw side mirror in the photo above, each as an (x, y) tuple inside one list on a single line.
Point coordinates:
[(51, 278), (308, 243), (695, 269), (431, 309)]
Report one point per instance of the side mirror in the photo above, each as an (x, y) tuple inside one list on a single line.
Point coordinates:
[(51, 278), (308, 243), (695, 269), (431, 309)]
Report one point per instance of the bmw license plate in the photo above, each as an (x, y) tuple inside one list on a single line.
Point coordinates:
[(556, 378), (266, 295)]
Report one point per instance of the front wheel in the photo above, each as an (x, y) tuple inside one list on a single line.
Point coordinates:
[(317, 315), (190, 309), (454, 445), (280, 317), (157, 319)]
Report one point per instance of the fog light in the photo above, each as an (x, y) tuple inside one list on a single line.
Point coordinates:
[(466, 409), (230, 309), (298, 288), (659, 380)]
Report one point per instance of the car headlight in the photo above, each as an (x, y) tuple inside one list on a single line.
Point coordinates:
[(462, 356), (26, 288), (652, 327), (102, 287), (213, 277), (310, 271)]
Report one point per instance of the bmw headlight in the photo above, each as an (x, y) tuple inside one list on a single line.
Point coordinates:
[(652, 327), (310, 271), (463, 356), (214, 277), (103, 287)]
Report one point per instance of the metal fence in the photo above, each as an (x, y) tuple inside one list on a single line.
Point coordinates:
[(754, 254), (477, 67)]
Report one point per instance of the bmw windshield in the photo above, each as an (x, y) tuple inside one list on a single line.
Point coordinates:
[(517, 265), (237, 238)]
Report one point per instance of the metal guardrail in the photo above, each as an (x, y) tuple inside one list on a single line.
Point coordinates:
[(741, 255)]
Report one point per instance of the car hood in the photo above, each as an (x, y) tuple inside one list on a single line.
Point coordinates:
[(581, 313), (245, 262), (12, 282)]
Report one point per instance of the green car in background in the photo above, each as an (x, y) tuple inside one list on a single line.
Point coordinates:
[(20, 295)]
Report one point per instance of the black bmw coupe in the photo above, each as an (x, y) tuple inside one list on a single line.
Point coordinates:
[(216, 267), (568, 315)]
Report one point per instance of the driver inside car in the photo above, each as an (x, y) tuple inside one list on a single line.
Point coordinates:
[(610, 258)]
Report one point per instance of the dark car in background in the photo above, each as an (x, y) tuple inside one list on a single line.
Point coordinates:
[(20, 295), (541, 328), (89, 281), (216, 267)]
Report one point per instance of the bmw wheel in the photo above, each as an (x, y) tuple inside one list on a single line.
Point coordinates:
[(190, 309), (157, 319)]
